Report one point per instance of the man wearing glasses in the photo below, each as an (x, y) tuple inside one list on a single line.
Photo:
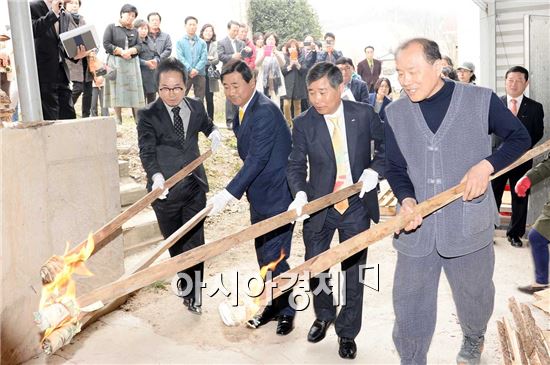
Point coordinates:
[(168, 130)]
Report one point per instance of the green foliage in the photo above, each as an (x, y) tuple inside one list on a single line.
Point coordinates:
[(288, 18)]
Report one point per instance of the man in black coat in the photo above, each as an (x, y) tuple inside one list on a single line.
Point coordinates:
[(531, 114), (357, 87), (168, 131), (48, 21), (332, 140)]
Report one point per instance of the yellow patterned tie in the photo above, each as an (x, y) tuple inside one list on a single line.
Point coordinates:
[(241, 115), (341, 165)]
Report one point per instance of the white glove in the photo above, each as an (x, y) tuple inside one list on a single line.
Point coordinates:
[(369, 177), (158, 183), (216, 140), (297, 204), (219, 201)]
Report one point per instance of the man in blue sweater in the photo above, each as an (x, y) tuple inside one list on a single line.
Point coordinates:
[(437, 136), (192, 52)]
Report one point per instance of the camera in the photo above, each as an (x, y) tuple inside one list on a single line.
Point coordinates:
[(307, 44), (245, 53), (100, 72)]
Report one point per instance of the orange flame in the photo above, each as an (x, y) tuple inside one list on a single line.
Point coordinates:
[(63, 288), (272, 265)]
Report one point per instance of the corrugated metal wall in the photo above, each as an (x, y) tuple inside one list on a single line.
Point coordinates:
[(510, 33)]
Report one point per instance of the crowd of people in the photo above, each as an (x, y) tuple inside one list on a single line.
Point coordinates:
[(304, 117)]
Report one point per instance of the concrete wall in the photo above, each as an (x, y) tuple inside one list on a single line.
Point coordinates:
[(58, 183)]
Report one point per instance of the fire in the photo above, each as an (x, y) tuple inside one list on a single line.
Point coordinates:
[(58, 306), (272, 265)]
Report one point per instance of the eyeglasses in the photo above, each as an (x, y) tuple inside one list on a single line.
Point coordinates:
[(167, 90)]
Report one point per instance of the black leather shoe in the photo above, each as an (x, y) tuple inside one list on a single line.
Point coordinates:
[(530, 289), (318, 330), (260, 319), (347, 348), (192, 305), (285, 325), (515, 241)]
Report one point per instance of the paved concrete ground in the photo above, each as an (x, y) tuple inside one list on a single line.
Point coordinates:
[(155, 328)]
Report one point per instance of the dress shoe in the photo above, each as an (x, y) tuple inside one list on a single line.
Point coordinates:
[(530, 289), (347, 348), (285, 325), (318, 330), (259, 319), (192, 306), (515, 241)]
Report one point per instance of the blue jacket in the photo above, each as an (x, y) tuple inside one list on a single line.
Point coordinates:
[(264, 144), (192, 57)]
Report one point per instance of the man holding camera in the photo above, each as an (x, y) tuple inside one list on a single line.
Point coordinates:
[(192, 52), (249, 51), (329, 54), (48, 21)]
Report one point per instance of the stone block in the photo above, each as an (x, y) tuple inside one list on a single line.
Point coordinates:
[(58, 183)]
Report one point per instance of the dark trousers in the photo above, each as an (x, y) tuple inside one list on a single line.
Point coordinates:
[(198, 83), (183, 202), (4, 83), (415, 288), (97, 96), (150, 97), (516, 228), (56, 97), (209, 96), (84, 88), (268, 249), (540, 252), (354, 220)]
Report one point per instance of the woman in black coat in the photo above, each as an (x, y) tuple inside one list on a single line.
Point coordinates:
[(148, 61), (295, 80)]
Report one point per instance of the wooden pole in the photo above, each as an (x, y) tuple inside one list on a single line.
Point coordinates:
[(114, 227), (324, 261), (200, 254), (86, 318)]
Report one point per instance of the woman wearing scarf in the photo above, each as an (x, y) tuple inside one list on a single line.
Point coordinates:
[(269, 61)]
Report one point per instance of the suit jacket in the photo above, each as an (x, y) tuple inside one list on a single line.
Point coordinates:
[(360, 90), (160, 148), (314, 57), (531, 114), (48, 48), (264, 143), (225, 49), (370, 77), (312, 145)]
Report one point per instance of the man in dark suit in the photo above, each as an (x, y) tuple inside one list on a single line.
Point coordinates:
[(333, 139), (168, 130), (358, 88), (48, 21), (369, 69), (531, 114), (230, 49), (264, 143)]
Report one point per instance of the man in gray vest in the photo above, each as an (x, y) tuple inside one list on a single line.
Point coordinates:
[(438, 135)]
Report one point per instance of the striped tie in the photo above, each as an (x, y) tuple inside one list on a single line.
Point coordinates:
[(341, 165)]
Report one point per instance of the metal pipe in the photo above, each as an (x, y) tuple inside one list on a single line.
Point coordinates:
[(25, 61)]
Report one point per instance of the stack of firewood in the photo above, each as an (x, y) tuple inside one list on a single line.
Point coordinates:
[(5, 111), (526, 343)]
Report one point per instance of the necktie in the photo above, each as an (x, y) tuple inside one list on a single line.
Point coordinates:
[(514, 106), (371, 64), (178, 124), (341, 165), (241, 115)]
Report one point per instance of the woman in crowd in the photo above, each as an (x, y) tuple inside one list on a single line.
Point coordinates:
[(258, 40), (212, 75), (381, 96), (148, 60), (269, 61), (465, 73), (295, 80), (123, 86)]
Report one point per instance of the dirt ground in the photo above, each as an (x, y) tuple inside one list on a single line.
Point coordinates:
[(154, 327)]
